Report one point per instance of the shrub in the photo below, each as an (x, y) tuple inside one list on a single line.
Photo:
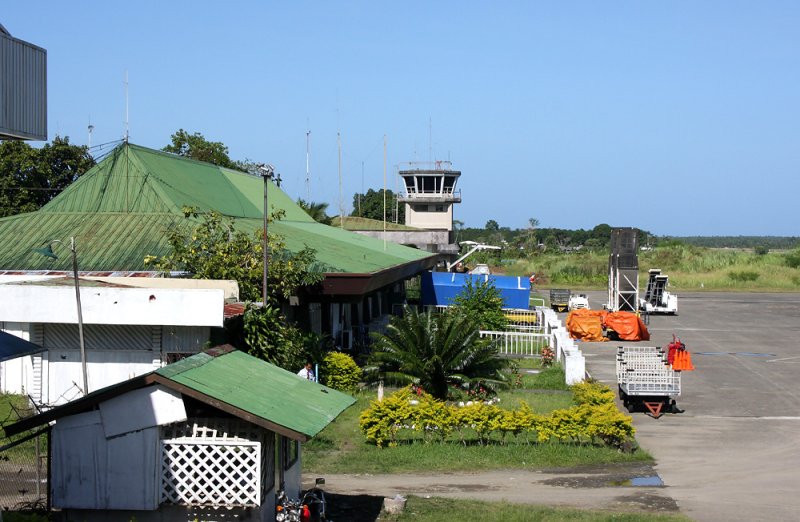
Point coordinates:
[(793, 259), (592, 393), (743, 276), (761, 250), (341, 372), (595, 418), (483, 303), (382, 421)]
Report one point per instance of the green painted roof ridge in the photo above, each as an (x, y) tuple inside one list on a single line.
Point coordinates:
[(195, 361), (171, 205)]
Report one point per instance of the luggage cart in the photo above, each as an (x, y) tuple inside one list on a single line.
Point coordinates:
[(645, 378)]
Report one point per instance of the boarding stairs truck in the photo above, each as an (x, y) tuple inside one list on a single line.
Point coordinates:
[(657, 300)]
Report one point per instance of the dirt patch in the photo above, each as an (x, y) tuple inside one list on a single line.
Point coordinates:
[(648, 502)]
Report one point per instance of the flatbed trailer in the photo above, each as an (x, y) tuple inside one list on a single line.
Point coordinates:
[(645, 378)]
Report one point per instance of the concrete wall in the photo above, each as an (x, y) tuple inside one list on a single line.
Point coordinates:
[(430, 219), (422, 239), (31, 303)]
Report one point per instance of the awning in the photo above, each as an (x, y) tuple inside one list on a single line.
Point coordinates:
[(12, 347)]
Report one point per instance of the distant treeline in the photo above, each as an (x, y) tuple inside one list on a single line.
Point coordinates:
[(770, 242), (599, 236)]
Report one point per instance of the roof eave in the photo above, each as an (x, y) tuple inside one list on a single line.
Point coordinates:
[(361, 284), (233, 410)]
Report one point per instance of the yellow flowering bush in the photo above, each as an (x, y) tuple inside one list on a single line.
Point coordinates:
[(595, 418)]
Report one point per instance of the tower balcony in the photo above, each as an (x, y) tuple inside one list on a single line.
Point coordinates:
[(431, 196)]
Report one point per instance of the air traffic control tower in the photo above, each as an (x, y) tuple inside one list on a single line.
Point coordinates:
[(430, 193)]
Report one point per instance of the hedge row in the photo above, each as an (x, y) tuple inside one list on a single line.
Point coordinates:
[(594, 418)]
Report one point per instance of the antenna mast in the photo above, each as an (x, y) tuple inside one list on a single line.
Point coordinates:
[(384, 191), (127, 129), (308, 165), (341, 202)]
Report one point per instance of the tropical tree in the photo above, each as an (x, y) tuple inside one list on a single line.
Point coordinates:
[(317, 211), (370, 205), (213, 249), (435, 351), (31, 177), (482, 302), (196, 146)]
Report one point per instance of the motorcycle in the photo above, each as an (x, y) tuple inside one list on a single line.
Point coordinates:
[(311, 508)]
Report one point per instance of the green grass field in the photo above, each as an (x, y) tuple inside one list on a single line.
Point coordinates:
[(689, 268), (445, 510)]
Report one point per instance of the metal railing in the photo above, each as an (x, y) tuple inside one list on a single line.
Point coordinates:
[(518, 343)]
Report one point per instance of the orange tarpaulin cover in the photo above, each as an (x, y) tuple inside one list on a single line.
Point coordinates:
[(586, 325), (628, 326)]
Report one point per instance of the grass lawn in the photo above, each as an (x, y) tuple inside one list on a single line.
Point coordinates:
[(341, 447), (441, 510)]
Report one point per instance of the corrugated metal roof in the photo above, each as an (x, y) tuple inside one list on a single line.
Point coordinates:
[(261, 389), (362, 223), (231, 381), (124, 207)]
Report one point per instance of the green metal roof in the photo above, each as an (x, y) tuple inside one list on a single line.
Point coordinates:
[(261, 389), (231, 381), (362, 223), (123, 208)]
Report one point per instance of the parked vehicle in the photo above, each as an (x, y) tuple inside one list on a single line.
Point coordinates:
[(657, 300), (578, 301), (559, 299), (311, 508)]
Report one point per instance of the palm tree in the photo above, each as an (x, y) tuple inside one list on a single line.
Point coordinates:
[(316, 210), (435, 351)]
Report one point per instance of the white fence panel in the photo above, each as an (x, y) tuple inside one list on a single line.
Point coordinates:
[(518, 343)]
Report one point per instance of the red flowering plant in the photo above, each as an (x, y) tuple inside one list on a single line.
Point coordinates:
[(548, 357)]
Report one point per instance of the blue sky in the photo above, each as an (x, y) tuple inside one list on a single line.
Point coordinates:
[(681, 118)]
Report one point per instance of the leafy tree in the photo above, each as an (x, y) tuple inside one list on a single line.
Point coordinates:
[(268, 335), (196, 146), (482, 302), (31, 177), (318, 211), (213, 249), (370, 205), (435, 351), (602, 233), (492, 226)]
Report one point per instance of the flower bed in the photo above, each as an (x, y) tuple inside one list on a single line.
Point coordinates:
[(413, 414)]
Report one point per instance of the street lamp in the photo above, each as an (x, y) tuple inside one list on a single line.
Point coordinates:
[(267, 174), (48, 252)]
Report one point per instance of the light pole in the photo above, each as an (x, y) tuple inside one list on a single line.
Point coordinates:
[(267, 174), (48, 252)]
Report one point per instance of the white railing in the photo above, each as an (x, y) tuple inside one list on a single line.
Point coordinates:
[(517, 343)]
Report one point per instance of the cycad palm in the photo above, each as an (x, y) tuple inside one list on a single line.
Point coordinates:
[(435, 351)]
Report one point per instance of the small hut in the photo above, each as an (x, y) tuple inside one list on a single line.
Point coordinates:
[(211, 437)]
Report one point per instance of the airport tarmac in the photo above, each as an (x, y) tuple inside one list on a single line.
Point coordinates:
[(734, 454)]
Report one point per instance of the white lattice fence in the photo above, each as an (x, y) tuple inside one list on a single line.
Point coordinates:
[(209, 469)]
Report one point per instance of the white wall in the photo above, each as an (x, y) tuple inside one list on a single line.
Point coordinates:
[(31, 303), (64, 373), (434, 220), (16, 375)]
